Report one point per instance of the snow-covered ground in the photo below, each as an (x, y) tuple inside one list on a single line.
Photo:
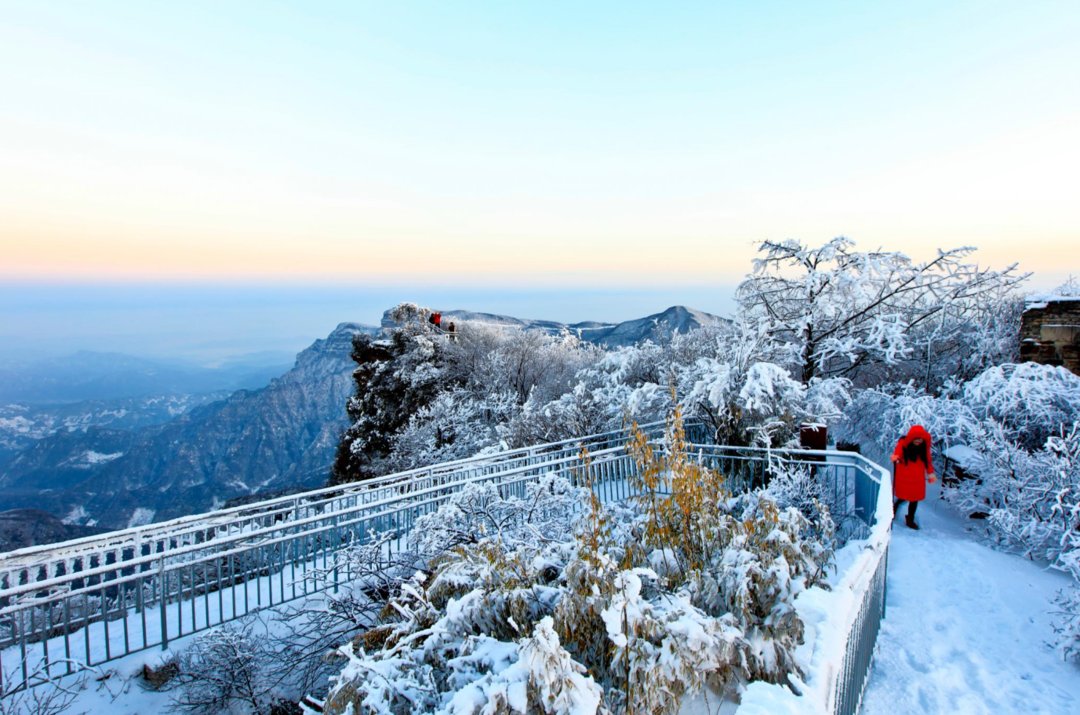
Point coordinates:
[(967, 628)]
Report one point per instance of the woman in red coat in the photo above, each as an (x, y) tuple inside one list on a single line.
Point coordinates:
[(912, 469)]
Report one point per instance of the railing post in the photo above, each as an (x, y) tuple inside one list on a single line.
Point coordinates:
[(164, 606), (337, 546)]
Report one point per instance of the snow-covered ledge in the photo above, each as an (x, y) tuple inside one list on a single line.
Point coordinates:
[(831, 617)]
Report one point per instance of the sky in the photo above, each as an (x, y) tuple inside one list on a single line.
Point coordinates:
[(569, 160)]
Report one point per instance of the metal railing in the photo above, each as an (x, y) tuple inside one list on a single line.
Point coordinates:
[(65, 607)]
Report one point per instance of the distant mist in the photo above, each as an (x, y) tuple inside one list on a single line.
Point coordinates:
[(212, 324)]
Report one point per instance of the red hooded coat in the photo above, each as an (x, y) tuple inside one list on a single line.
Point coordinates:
[(909, 478)]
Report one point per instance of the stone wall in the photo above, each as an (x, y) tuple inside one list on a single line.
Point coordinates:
[(1050, 334)]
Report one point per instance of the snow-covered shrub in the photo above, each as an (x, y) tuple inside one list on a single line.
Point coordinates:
[(352, 592), (798, 486), (455, 425), (687, 588), (578, 412), (228, 669), (1067, 628), (622, 385), (1031, 402), (48, 695), (478, 511)]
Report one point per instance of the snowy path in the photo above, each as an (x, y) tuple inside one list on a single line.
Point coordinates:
[(966, 628)]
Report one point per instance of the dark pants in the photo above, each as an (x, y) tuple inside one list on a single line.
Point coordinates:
[(911, 507)]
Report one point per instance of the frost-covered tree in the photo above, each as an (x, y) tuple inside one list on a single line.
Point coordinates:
[(395, 378), (610, 390), (422, 397), (844, 312), (740, 386)]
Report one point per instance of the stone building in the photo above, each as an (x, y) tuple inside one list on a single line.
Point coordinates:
[(1050, 332)]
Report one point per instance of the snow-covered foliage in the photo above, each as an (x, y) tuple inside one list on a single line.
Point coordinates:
[(546, 512), (228, 669), (611, 610), (877, 314), (423, 396), (354, 587), (1031, 402)]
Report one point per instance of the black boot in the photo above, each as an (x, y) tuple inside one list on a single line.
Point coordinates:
[(909, 520)]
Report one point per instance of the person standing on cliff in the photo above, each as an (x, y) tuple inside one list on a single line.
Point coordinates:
[(912, 469)]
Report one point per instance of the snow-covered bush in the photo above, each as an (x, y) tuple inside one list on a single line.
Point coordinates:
[(622, 385), (622, 609), (47, 695), (1031, 402), (545, 513), (228, 669), (1067, 627), (580, 411), (456, 424), (797, 486), (351, 592)]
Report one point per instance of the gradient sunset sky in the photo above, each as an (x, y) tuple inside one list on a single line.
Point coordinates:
[(556, 146)]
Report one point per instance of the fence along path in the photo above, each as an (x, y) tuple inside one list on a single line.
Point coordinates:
[(68, 606)]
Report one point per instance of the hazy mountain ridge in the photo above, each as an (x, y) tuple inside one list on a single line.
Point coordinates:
[(282, 436), (96, 376)]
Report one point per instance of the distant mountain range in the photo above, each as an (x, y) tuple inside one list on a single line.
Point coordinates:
[(280, 438), (96, 376), (23, 424), (659, 327)]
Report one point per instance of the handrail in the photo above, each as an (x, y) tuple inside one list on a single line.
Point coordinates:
[(140, 534), (249, 536)]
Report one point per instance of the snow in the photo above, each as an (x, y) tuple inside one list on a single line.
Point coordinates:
[(967, 628), (140, 517), (1039, 301), (77, 515), (95, 458), (18, 425), (963, 455)]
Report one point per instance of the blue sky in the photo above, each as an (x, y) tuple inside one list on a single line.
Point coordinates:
[(556, 148)]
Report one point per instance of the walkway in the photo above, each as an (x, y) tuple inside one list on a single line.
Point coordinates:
[(967, 628)]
